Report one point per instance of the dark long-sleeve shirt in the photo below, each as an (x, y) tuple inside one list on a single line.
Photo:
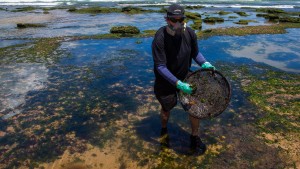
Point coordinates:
[(173, 55)]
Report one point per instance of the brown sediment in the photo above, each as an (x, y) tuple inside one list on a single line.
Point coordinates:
[(281, 98), (244, 150), (94, 158), (288, 142), (2, 133)]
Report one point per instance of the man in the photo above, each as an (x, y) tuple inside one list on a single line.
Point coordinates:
[(173, 48)]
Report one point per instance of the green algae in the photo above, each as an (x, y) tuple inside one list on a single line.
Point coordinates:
[(95, 10), (289, 19), (196, 18), (277, 97), (99, 10), (244, 22), (249, 30), (270, 10), (213, 20), (134, 10), (124, 30), (149, 33), (192, 15), (232, 17), (223, 13), (280, 18), (30, 25), (195, 7), (269, 16), (40, 51), (24, 9), (242, 13), (197, 24)]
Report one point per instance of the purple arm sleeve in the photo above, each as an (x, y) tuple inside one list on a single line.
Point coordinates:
[(164, 72), (200, 59)]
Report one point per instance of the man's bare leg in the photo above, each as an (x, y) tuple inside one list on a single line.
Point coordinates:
[(197, 146), (164, 137), (164, 116), (195, 125)]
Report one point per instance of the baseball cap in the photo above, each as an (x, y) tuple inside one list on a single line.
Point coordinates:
[(175, 10)]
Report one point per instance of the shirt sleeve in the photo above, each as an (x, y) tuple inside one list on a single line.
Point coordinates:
[(200, 59), (164, 72)]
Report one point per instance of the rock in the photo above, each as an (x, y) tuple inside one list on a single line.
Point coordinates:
[(268, 16), (30, 25), (131, 10), (125, 30), (195, 7), (242, 13), (270, 10), (290, 19), (72, 9), (192, 15), (244, 22), (213, 19), (223, 13), (24, 9), (197, 25)]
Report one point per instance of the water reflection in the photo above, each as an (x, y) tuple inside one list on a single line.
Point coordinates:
[(16, 81), (283, 53)]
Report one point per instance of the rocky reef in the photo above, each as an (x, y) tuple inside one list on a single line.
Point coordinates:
[(30, 25), (124, 30), (213, 19)]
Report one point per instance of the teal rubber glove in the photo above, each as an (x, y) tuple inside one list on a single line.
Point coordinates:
[(207, 65), (185, 87)]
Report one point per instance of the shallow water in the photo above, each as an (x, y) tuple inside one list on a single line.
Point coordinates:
[(280, 51), (63, 23), (6, 43), (126, 62), (95, 84)]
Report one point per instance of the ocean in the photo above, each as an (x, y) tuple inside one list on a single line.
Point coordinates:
[(215, 3)]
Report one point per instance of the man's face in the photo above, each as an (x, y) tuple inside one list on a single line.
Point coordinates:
[(173, 20)]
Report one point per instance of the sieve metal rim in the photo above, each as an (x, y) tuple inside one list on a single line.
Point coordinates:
[(227, 83)]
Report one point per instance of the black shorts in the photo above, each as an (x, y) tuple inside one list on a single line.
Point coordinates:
[(167, 97)]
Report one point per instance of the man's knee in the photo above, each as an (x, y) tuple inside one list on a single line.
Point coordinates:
[(168, 102), (164, 114)]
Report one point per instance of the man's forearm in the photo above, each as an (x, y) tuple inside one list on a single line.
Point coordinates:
[(200, 59), (164, 72)]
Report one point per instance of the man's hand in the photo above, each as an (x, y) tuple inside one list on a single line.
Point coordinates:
[(185, 87), (207, 65)]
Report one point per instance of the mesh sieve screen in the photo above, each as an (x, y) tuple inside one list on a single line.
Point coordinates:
[(211, 94)]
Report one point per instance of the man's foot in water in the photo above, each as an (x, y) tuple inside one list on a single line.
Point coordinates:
[(197, 146), (164, 138)]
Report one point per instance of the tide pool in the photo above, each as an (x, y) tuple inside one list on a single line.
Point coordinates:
[(128, 61), (91, 101)]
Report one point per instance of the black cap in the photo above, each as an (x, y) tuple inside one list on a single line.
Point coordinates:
[(175, 10)]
